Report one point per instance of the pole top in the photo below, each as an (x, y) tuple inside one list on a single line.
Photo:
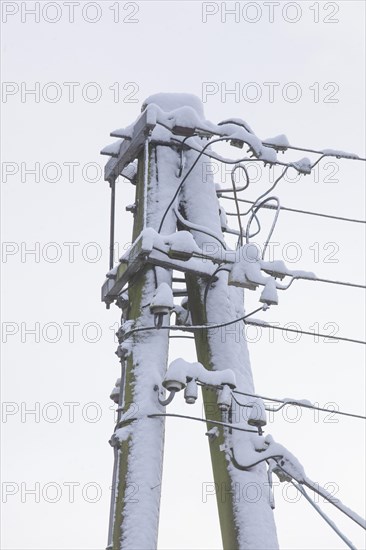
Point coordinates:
[(171, 101)]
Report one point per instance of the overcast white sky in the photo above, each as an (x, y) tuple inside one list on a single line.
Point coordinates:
[(312, 56)]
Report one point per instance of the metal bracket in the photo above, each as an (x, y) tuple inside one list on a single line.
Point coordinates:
[(142, 253)]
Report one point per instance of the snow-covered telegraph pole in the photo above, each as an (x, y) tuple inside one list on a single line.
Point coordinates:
[(140, 442), (162, 164), (178, 227), (243, 497)]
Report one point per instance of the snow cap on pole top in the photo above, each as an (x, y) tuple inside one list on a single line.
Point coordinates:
[(172, 101)]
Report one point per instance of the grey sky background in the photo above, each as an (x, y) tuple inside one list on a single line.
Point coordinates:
[(318, 59)]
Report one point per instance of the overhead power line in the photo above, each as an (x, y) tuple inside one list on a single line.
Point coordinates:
[(294, 402), (323, 515), (284, 329), (315, 151), (206, 421), (192, 328), (296, 210)]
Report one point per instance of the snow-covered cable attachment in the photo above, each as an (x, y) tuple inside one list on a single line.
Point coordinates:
[(287, 467)]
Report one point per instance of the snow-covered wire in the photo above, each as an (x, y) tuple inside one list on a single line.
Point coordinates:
[(185, 177), (323, 515), (206, 421), (327, 336), (320, 280), (332, 282), (236, 190), (224, 160), (255, 209), (209, 283), (181, 336), (296, 210), (285, 402), (324, 154), (191, 328), (324, 493), (275, 183), (247, 467), (200, 228)]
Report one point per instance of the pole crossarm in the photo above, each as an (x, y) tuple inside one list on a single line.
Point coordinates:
[(130, 148), (143, 253)]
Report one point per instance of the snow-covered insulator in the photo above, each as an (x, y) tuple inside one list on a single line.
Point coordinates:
[(162, 303), (224, 398), (276, 269), (185, 131), (303, 166), (116, 391), (173, 385), (191, 392), (269, 294), (177, 253), (279, 143), (182, 246), (245, 272), (257, 416), (237, 277)]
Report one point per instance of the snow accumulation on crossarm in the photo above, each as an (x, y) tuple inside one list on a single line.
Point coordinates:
[(173, 111)]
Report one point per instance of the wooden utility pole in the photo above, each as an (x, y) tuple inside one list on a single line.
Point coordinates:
[(243, 498), (140, 448)]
